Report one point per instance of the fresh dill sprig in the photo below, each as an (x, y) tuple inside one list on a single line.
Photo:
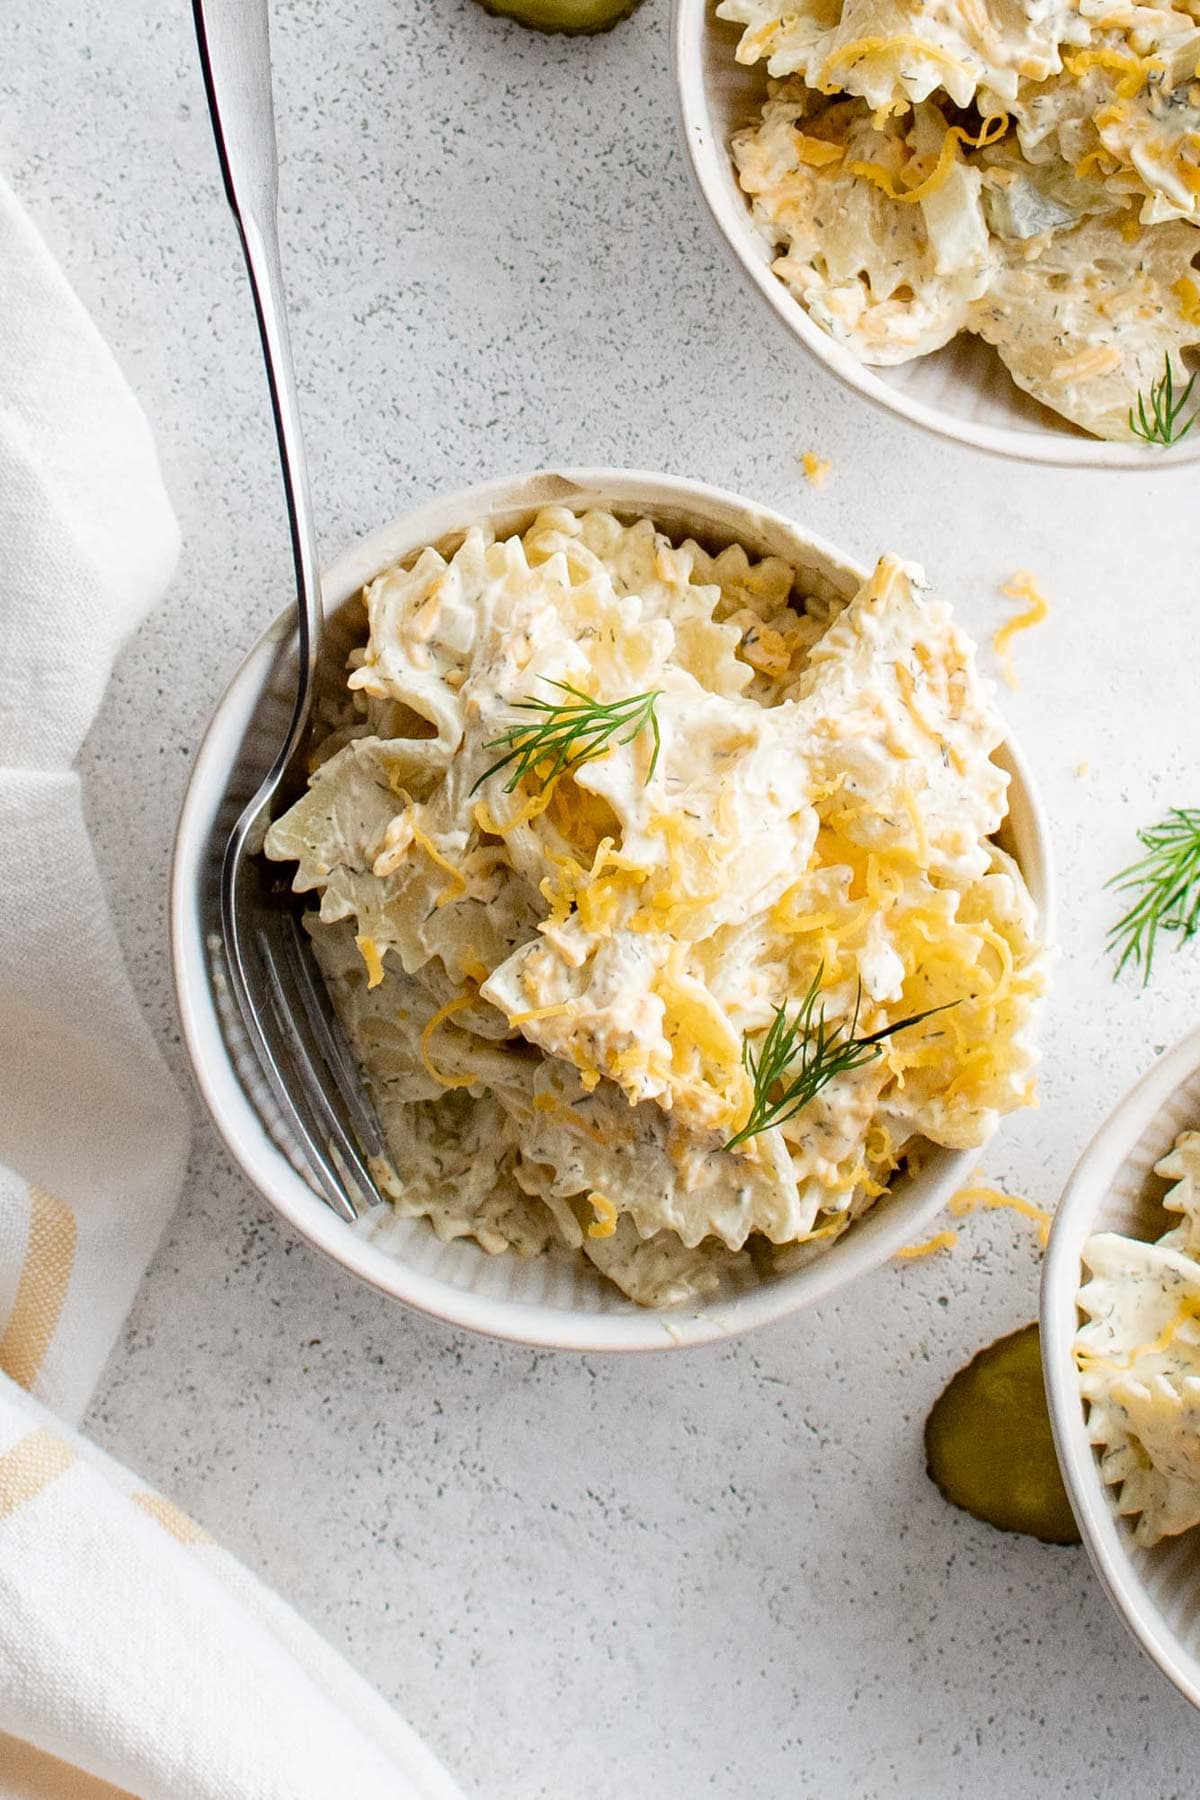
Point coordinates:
[(823, 1053), (570, 732), (1167, 883), (1155, 421)]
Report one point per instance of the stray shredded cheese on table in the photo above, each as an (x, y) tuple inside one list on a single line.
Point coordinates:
[(1021, 587), (944, 1240), (816, 468), (969, 1198)]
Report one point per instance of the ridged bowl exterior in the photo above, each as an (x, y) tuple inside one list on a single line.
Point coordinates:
[(555, 1301), (963, 391), (1114, 1188)]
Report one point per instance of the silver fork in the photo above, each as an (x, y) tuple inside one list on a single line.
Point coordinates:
[(272, 974)]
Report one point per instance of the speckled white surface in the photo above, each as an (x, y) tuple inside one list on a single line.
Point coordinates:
[(721, 1573)]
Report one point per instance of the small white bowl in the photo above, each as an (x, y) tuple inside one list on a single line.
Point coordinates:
[(1114, 1188), (963, 391), (555, 1301)]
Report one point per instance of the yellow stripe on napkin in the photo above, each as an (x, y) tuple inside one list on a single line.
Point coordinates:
[(32, 1464), (41, 1289), (169, 1516), (30, 1774)]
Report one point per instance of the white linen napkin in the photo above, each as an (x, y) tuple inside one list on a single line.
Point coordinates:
[(136, 1656)]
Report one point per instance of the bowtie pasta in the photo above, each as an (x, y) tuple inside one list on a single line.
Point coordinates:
[(1139, 1358), (893, 53), (891, 281), (1028, 171), (550, 964)]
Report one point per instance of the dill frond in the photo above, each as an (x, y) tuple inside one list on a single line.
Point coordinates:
[(1158, 411), (570, 732), (1166, 882), (797, 1059)]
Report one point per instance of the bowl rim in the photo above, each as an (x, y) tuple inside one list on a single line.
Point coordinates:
[(707, 158), (239, 1125), (1103, 1533)]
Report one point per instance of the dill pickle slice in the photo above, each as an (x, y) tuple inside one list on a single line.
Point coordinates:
[(988, 1446), (576, 18)]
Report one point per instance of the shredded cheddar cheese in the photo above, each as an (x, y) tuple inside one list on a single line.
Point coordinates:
[(443, 1013), (1188, 296), (529, 809), (605, 959), (1099, 359), (908, 690), (869, 46), (1133, 70), (1187, 1311), (816, 468), (1021, 587), (368, 949), (817, 153), (976, 1195), (942, 1240), (457, 885), (991, 129), (881, 178), (757, 42), (968, 1200), (540, 1012), (605, 1222)]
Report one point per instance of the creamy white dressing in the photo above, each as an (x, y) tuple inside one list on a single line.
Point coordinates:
[(1139, 1358), (1059, 222), (550, 985)]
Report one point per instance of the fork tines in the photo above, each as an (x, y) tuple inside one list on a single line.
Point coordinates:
[(323, 1089)]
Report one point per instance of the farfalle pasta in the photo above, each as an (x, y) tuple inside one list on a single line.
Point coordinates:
[(554, 974), (890, 281), (893, 54), (1027, 172), (1139, 1359)]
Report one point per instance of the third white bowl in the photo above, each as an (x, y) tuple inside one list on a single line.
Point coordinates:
[(1114, 1188)]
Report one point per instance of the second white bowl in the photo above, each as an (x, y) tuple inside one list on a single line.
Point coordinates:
[(556, 1301), (963, 391)]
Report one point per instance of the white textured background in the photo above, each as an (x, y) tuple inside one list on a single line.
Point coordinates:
[(720, 1573)]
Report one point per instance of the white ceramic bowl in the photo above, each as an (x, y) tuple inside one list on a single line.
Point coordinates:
[(1114, 1188), (549, 1301), (963, 391)]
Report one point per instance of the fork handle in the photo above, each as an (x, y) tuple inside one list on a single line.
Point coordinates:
[(234, 38)]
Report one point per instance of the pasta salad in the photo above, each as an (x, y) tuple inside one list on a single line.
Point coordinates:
[(661, 899), (1025, 170)]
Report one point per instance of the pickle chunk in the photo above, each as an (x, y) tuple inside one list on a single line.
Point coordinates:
[(988, 1445), (576, 17)]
